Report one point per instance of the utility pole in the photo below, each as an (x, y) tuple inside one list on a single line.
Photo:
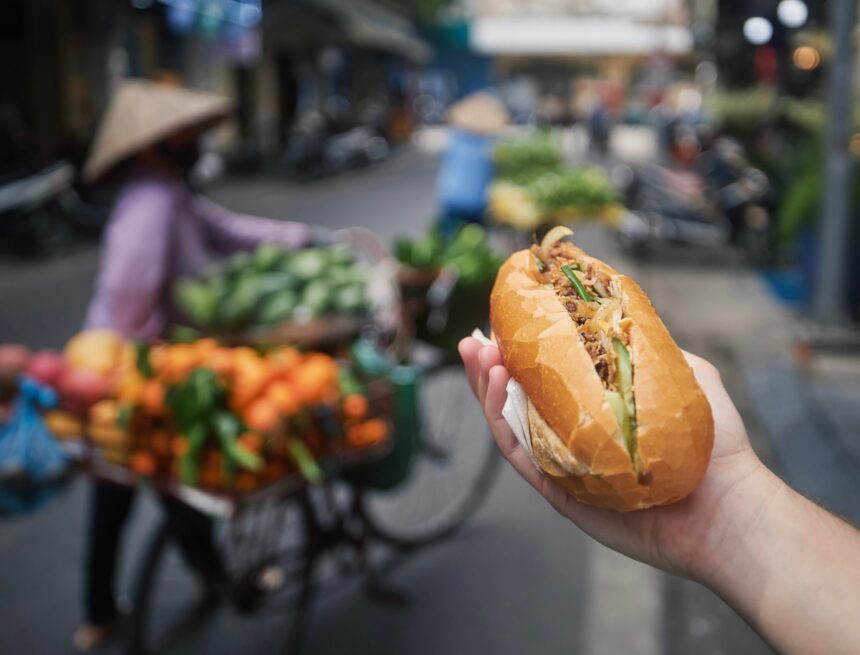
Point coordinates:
[(830, 302)]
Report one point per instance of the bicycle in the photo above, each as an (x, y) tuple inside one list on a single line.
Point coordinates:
[(274, 543)]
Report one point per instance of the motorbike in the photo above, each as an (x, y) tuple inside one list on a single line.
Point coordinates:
[(317, 150), (720, 200), (41, 211)]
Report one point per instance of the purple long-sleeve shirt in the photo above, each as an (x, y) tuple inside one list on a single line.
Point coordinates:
[(160, 231)]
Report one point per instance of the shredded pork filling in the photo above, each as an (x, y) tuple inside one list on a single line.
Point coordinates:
[(597, 321), (594, 306)]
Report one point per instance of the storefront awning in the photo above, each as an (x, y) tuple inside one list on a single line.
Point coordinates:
[(374, 26), (575, 35)]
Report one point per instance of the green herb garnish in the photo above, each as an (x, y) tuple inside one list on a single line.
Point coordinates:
[(577, 283), (541, 267)]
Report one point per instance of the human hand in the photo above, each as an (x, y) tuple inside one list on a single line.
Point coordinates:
[(686, 538)]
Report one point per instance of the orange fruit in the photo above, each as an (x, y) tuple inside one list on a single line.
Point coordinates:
[(367, 433), (284, 360), (159, 443), (261, 415), (99, 350), (316, 378), (130, 388), (355, 406), (179, 446), (245, 353), (221, 361), (246, 481), (283, 396), (174, 363), (142, 463), (152, 396), (249, 379), (251, 441), (205, 347), (105, 412)]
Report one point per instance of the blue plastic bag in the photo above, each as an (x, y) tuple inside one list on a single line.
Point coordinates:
[(33, 467)]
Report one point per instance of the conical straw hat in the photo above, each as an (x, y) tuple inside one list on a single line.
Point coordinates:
[(141, 113), (480, 113)]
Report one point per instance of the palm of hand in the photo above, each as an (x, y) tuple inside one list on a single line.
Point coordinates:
[(674, 537)]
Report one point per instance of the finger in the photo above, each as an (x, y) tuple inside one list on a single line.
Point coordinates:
[(494, 399), (488, 357), (469, 348), (508, 444)]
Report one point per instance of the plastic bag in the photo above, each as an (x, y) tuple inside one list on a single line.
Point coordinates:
[(33, 467)]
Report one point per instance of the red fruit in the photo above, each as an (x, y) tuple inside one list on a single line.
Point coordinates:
[(13, 361), (80, 390), (46, 366)]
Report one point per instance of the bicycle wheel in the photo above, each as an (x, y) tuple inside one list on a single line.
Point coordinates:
[(268, 570), (453, 467)]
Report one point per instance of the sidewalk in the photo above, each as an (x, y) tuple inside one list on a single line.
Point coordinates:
[(811, 412)]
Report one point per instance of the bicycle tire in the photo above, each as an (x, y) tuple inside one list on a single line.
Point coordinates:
[(445, 519), (139, 639)]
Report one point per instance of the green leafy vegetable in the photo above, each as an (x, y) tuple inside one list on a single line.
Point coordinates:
[(523, 160), (264, 287), (308, 466), (584, 188), (468, 252), (199, 408), (144, 365)]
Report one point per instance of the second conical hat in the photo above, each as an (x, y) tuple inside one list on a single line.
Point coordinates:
[(141, 113), (480, 113)]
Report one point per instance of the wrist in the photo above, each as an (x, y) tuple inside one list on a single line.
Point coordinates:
[(785, 567), (741, 529)]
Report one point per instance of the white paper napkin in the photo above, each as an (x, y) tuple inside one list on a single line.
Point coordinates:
[(515, 410)]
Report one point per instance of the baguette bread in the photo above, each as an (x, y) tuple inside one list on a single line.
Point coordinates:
[(576, 436)]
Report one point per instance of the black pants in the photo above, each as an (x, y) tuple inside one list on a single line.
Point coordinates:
[(109, 510)]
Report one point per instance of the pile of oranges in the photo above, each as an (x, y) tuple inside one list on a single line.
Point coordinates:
[(264, 391)]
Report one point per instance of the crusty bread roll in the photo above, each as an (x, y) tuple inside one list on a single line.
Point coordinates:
[(576, 436)]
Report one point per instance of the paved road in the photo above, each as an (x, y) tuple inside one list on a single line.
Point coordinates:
[(518, 579)]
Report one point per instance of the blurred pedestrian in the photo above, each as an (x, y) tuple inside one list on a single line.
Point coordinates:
[(784, 564), (599, 127), (159, 230), (466, 171)]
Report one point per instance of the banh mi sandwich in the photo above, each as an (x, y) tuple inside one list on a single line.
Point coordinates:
[(615, 413)]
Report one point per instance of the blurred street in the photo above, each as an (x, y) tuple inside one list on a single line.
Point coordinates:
[(495, 587)]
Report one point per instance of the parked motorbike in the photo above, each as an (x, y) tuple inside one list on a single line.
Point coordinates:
[(42, 211), (316, 151), (720, 200)]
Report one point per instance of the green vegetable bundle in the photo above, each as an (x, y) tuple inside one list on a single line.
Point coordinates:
[(585, 189), (468, 252), (523, 160), (271, 286)]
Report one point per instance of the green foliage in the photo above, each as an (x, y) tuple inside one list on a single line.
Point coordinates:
[(199, 408), (523, 160), (468, 252), (586, 188)]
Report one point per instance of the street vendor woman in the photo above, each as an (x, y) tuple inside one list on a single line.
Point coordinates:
[(160, 230)]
